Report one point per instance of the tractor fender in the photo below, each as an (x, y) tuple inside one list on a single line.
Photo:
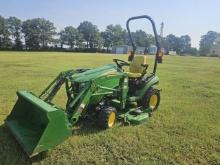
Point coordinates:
[(150, 82)]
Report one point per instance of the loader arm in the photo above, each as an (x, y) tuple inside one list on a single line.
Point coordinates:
[(51, 90), (77, 105)]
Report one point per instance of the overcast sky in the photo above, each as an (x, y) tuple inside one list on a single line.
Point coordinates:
[(180, 17)]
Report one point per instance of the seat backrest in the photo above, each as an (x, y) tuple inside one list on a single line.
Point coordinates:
[(136, 64)]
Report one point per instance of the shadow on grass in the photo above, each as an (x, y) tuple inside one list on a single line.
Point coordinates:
[(11, 152), (86, 127)]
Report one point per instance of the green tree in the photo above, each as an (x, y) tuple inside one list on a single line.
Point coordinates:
[(185, 44), (38, 33), (71, 36), (90, 34), (173, 43), (118, 34), (142, 39), (179, 44), (31, 34), (5, 41), (14, 27), (113, 35), (57, 42), (107, 39), (79, 40), (47, 31), (163, 42), (62, 38), (193, 51), (207, 41)]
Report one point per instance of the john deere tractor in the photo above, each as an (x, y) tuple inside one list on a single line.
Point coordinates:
[(104, 94)]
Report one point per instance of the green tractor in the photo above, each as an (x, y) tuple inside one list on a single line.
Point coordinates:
[(104, 94)]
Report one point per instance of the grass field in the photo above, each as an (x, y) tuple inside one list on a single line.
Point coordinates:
[(185, 129)]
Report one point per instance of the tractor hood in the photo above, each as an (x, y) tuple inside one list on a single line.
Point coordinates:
[(92, 74)]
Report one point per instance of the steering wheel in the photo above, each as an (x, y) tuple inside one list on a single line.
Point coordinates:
[(120, 63)]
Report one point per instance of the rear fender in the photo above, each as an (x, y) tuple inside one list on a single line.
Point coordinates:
[(150, 82)]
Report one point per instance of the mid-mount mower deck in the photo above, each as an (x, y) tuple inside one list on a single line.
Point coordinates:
[(103, 94)]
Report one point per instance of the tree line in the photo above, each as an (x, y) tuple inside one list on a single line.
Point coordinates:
[(41, 34)]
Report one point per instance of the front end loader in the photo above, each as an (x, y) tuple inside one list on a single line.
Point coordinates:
[(102, 94)]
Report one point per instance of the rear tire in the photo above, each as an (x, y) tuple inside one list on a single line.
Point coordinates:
[(151, 99), (107, 117)]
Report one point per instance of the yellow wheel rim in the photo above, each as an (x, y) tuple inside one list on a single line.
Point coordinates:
[(111, 119), (153, 101)]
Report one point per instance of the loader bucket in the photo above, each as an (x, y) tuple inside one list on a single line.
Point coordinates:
[(37, 125)]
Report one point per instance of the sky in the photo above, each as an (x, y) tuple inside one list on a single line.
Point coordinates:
[(180, 17)]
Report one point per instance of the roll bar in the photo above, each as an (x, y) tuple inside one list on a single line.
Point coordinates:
[(155, 36)]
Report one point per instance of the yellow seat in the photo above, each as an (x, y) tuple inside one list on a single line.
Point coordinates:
[(133, 75), (136, 68)]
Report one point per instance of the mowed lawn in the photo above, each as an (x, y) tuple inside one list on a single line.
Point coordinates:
[(184, 130)]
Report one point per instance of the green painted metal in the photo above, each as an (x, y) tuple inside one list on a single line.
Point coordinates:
[(98, 74), (137, 119), (103, 79), (124, 92), (130, 117), (75, 110), (36, 124)]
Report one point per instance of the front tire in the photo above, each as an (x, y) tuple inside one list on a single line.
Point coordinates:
[(107, 117)]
